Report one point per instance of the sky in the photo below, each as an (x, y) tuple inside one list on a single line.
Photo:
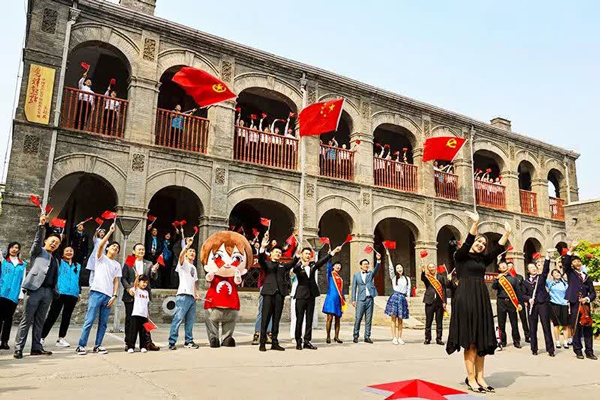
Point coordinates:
[(536, 63)]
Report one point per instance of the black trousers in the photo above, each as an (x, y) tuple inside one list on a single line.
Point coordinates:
[(67, 305), (272, 308), (504, 307), (136, 329), (581, 331), (304, 306), (7, 310), (523, 314), (129, 326), (436, 309), (540, 313)]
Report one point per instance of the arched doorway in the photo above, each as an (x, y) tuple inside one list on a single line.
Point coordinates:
[(447, 243), (404, 234), (490, 164), (557, 190), (75, 198), (168, 205), (171, 94), (336, 225), (336, 154), (393, 158), (530, 247)]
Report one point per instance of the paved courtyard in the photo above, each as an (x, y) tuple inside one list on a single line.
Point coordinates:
[(331, 372)]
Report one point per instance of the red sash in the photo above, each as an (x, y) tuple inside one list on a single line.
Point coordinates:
[(510, 291), (339, 285), (437, 286)]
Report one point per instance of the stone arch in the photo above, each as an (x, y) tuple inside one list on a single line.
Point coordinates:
[(341, 203), (490, 227), (560, 236), (453, 221), (535, 233), (349, 106), (494, 151), (93, 32), (444, 130), (257, 191), (527, 156), (180, 178), (553, 163), (90, 164), (257, 79), (175, 57), (413, 219), (392, 118)]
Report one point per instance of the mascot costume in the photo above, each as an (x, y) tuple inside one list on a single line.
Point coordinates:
[(226, 256)]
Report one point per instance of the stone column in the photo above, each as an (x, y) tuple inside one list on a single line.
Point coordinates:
[(221, 133), (357, 253), (425, 175), (540, 188), (363, 158), (431, 248), (464, 170), (510, 180)]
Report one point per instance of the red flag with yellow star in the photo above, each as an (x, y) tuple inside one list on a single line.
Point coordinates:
[(320, 118), (442, 148), (202, 86)]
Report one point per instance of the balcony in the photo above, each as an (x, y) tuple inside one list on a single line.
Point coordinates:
[(557, 208), (490, 195), (93, 113), (181, 131), (272, 150), (528, 202), (395, 175), (446, 185), (336, 163)]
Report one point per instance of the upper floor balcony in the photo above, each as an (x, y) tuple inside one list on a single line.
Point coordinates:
[(395, 175), (269, 149), (490, 194), (181, 131)]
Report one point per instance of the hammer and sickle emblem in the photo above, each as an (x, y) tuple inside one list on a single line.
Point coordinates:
[(451, 143), (219, 88)]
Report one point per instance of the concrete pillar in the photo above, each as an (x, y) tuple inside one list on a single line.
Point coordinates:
[(431, 248), (141, 111), (357, 252), (221, 133), (363, 158), (540, 187), (510, 180), (425, 174)]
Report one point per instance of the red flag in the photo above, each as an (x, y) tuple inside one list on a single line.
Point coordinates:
[(48, 209), (99, 221), (113, 81), (130, 261), (535, 256), (320, 118), (510, 248), (58, 223), (348, 239), (161, 260), (291, 240), (36, 200), (255, 232), (442, 148), (175, 224), (265, 222), (149, 326), (195, 230), (109, 215), (182, 222), (441, 269), (424, 253), (512, 272), (151, 218), (564, 251), (369, 249), (589, 255), (389, 244), (202, 86), (325, 240), (264, 115), (85, 66)]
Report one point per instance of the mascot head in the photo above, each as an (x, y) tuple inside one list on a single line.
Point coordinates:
[(225, 253)]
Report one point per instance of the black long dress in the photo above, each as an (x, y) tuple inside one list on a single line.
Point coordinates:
[(472, 319)]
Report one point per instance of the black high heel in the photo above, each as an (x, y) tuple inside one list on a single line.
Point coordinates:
[(337, 340), (478, 390)]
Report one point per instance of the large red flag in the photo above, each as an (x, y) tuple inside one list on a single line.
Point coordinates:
[(320, 118), (202, 86), (442, 148)]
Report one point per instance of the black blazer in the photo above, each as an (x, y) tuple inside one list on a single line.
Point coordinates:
[(430, 294), (577, 284), (148, 245), (275, 275), (128, 277), (541, 295), (307, 285)]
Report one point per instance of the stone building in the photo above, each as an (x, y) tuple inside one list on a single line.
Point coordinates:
[(216, 175), (583, 220)]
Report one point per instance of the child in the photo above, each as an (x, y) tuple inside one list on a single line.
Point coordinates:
[(139, 316)]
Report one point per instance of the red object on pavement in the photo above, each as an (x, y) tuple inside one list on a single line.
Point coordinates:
[(109, 215), (36, 200), (161, 260), (320, 118), (150, 326), (58, 223), (389, 244), (442, 148), (130, 260), (415, 388), (265, 222), (424, 253), (204, 88), (369, 249)]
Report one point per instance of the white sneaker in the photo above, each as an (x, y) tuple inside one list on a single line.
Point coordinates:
[(80, 350), (395, 341), (143, 350), (400, 341), (557, 344), (61, 342), (566, 345), (100, 350), (42, 342), (130, 351)]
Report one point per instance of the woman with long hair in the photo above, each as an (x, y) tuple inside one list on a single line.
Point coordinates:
[(12, 273), (397, 306), (334, 304), (472, 319)]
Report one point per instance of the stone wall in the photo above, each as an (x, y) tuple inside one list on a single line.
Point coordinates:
[(582, 220)]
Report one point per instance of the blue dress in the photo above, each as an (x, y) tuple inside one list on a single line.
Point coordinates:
[(333, 303)]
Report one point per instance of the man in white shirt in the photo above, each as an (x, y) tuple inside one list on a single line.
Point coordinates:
[(187, 294), (85, 102), (103, 293)]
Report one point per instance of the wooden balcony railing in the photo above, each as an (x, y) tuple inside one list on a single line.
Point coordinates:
[(395, 175), (181, 131), (528, 202), (93, 113), (490, 195), (272, 150), (557, 208), (336, 163), (446, 185)]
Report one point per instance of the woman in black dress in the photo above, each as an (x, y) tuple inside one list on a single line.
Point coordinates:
[(472, 320)]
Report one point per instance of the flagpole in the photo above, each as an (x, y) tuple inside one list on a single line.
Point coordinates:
[(473, 168), (303, 82)]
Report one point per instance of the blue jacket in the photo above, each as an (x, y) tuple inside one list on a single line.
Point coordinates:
[(359, 289), (11, 280), (68, 279)]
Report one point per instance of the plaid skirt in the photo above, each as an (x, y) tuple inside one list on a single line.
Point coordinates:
[(397, 306)]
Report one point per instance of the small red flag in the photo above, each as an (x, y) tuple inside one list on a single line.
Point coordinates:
[(442, 148), (113, 81), (424, 253), (99, 221), (357, 141), (589, 255), (151, 218), (202, 86), (389, 244), (255, 232), (265, 222), (109, 215), (564, 251), (348, 239), (175, 224), (161, 260), (441, 269), (291, 240), (253, 116), (58, 223), (182, 222), (85, 66), (36, 200), (195, 230), (48, 209), (320, 118), (510, 248), (264, 115), (325, 240), (512, 272), (130, 261), (535, 256), (369, 249), (149, 326)]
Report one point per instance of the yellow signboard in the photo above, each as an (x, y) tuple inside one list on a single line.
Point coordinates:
[(39, 94)]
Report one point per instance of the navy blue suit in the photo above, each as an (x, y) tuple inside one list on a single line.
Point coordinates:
[(541, 308)]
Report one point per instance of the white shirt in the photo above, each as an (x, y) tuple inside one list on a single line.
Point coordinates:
[(84, 88), (140, 303), (105, 272), (307, 269), (112, 103), (139, 267), (363, 275), (188, 275)]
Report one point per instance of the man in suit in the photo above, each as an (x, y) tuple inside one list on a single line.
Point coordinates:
[(306, 293), (434, 303), (580, 291), (363, 296), (538, 300), (40, 285), (524, 309), (142, 267), (505, 306), (153, 245), (273, 291)]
